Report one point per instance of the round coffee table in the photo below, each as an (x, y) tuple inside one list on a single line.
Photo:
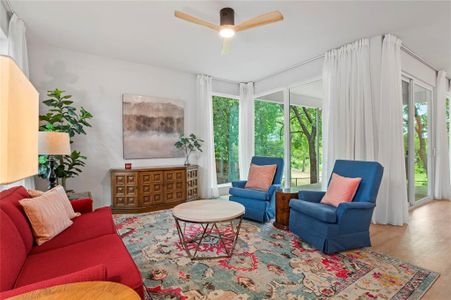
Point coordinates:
[(208, 214), (101, 290)]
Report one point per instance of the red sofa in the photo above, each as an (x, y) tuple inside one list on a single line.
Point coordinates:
[(88, 250)]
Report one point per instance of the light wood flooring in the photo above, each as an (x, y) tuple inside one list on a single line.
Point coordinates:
[(425, 242)]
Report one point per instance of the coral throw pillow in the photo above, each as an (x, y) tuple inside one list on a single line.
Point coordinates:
[(341, 189), (49, 213), (48, 217), (35, 193), (260, 177), (59, 194)]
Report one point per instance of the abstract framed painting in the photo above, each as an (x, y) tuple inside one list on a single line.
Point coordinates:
[(151, 126)]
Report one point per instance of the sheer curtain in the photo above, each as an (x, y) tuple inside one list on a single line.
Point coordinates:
[(442, 188), (246, 128), (17, 43), (348, 111), (17, 49), (208, 183), (392, 205)]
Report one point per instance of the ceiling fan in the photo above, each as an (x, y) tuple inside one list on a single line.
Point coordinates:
[(227, 27)]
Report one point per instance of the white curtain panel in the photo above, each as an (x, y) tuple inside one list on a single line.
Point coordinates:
[(208, 182), (442, 187), (392, 205), (246, 128), (348, 111), (17, 43), (17, 49)]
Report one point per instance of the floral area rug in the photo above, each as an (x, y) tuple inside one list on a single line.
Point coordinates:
[(267, 264)]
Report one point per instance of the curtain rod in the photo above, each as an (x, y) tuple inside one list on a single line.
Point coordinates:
[(292, 67), (404, 48), (417, 57)]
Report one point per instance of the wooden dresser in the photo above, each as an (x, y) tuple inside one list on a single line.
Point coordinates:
[(148, 189)]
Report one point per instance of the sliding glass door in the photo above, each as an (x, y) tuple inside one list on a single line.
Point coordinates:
[(306, 135), (417, 101)]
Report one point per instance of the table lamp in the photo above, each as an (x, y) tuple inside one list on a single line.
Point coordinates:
[(53, 143), (19, 123)]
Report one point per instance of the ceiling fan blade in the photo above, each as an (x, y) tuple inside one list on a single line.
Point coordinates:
[(226, 46), (189, 18), (271, 17)]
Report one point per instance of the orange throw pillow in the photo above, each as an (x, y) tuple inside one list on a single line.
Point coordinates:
[(35, 193), (341, 189), (58, 193), (260, 177), (47, 215)]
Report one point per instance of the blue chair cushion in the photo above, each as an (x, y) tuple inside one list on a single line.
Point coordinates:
[(249, 193), (322, 212)]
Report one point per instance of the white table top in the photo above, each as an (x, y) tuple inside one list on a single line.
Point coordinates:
[(208, 211)]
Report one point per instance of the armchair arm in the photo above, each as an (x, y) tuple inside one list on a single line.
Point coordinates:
[(239, 183), (355, 216), (311, 196), (273, 188), (95, 273), (82, 205)]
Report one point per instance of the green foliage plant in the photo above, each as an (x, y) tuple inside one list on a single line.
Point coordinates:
[(62, 116), (189, 144)]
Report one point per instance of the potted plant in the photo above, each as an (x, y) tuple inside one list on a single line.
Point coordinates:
[(62, 116), (189, 144)]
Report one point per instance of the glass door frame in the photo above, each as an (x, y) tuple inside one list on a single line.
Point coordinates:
[(412, 81), (286, 115)]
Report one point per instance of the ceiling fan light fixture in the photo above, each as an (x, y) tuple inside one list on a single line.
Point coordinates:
[(226, 32)]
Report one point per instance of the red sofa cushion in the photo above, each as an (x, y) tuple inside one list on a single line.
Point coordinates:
[(12, 252), (82, 206), (96, 273), (108, 250), (9, 203), (85, 227)]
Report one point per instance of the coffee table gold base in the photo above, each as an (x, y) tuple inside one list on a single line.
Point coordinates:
[(207, 231)]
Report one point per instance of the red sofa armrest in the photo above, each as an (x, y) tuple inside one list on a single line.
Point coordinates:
[(96, 273), (82, 205)]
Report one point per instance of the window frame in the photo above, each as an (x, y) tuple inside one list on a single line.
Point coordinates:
[(223, 187)]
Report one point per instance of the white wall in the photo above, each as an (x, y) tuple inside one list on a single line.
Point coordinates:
[(289, 78), (97, 83)]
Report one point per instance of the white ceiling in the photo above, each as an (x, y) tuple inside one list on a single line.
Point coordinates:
[(147, 32)]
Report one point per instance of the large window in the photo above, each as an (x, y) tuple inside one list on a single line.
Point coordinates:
[(306, 135), (269, 135), (225, 127)]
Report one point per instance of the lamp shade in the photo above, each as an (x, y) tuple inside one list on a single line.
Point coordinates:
[(19, 123), (54, 143)]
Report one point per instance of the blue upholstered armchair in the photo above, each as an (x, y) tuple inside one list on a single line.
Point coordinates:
[(259, 204), (332, 229)]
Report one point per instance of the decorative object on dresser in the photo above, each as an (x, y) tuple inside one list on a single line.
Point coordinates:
[(189, 144), (149, 189), (151, 126), (283, 207)]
